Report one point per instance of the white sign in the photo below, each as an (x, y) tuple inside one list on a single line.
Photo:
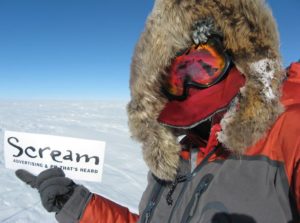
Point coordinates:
[(80, 159)]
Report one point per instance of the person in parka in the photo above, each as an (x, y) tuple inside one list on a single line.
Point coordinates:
[(207, 72)]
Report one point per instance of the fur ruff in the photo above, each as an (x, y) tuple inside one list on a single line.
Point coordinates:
[(249, 34)]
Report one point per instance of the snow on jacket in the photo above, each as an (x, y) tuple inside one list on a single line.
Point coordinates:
[(262, 185)]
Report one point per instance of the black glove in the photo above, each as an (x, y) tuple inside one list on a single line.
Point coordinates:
[(55, 189)]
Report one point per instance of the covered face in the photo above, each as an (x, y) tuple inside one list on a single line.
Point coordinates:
[(200, 83), (248, 34), (201, 104)]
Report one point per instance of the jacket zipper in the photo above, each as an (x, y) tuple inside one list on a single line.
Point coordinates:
[(199, 167), (155, 196), (149, 211), (191, 207)]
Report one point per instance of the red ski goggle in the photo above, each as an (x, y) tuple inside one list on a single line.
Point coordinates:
[(200, 66)]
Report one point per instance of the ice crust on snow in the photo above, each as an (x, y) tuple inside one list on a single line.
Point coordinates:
[(124, 177)]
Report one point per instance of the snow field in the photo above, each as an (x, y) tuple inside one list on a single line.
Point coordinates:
[(124, 177)]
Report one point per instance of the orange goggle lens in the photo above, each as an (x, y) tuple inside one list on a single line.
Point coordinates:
[(201, 67)]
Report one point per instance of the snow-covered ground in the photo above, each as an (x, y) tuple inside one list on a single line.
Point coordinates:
[(124, 177)]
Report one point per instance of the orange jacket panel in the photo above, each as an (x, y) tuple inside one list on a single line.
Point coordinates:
[(102, 210)]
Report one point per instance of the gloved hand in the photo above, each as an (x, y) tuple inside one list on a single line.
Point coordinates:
[(55, 189)]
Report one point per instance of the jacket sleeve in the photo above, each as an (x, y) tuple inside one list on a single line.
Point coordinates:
[(290, 130), (290, 141), (102, 210), (293, 159), (86, 207)]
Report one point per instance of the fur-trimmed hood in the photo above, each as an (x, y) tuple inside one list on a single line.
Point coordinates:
[(249, 34)]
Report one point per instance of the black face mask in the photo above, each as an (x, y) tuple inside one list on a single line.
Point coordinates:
[(202, 130)]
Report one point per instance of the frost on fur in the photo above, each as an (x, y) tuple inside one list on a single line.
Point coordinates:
[(265, 70), (228, 117), (202, 30)]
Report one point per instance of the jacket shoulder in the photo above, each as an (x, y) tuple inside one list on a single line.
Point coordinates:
[(290, 119), (286, 129), (291, 86), (286, 138)]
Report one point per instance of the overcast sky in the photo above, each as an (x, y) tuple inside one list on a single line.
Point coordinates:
[(81, 49)]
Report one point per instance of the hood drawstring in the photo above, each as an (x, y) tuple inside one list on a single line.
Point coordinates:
[(178, 179)]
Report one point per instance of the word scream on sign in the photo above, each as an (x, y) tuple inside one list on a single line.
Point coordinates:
[(56, 155), (80, 158)]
